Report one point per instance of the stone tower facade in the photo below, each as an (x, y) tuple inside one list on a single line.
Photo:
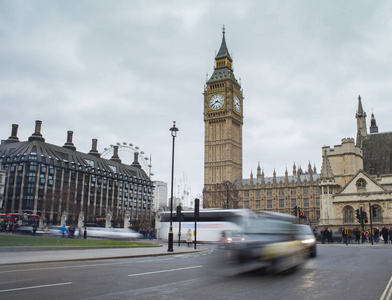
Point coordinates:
[(223, 120)]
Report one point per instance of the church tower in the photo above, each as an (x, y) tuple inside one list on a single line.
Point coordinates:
[(223, 119)]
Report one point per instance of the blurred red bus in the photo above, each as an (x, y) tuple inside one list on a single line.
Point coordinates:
[(14, 217)]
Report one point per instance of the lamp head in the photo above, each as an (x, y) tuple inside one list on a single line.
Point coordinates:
[(174, 129)]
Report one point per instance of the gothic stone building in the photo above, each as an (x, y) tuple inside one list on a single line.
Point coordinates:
[(224, 186), (356, 176), (283, 193), (55, 181)]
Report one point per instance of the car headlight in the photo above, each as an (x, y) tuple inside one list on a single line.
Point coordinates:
[(308, 241), (229, 240)]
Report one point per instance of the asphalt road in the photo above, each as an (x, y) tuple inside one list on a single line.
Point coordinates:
[(338, 272)]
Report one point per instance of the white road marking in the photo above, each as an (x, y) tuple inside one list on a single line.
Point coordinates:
[(83, 266), (35, 287), (388, 287), (163, 271)]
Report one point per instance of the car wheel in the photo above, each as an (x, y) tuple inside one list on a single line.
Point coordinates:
[(313, 253)]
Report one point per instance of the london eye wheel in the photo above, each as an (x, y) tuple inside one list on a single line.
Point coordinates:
[(126, 153)]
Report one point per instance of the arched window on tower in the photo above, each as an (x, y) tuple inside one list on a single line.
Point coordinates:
[(348, 213), (361, 184)]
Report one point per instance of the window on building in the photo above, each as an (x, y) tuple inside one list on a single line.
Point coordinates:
[(361, 184), (348, 214), (257, 193), (378, 217), (293, 191), (281, 203), (269, 203), (318, 201), (306, 191), (306, 202), (281, 192), (246, 194), (246, 204), (317, 190), (258, 204), (269, 192), (293, 202)]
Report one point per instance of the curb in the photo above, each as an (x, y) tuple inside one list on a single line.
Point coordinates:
[(103, 258)]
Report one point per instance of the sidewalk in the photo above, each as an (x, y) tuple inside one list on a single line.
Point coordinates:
[(24, 255)]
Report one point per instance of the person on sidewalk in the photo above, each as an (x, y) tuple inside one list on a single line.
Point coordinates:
[(189, 236), (390, 235), (63, 230), (384, 233)]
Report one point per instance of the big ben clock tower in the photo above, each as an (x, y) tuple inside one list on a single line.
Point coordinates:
[(223, 119)]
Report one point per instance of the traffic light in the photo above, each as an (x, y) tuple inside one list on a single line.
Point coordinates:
[(302, 215), (179, 213), (374, 211), (358, 215), (295, 211), (197, 204), (364, 216)]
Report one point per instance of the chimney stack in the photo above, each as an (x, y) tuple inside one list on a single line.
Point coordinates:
[(115, 156), (37, 136), (69, 144), (136, 160), (94, 150), (14, 134)]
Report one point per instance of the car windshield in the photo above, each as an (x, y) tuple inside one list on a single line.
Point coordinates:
[(262, 225), (305, 230), (233, 233)]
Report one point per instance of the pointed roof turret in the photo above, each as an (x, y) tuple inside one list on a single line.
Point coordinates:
[(326, 170), (258, 170), (310, 171), (373, 125), (223, 51), (360, 112), (223, 69), (286, 176), (360, 115), (294, 169), (274, 176)]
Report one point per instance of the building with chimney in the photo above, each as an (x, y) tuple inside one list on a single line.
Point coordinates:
[(59, 182)]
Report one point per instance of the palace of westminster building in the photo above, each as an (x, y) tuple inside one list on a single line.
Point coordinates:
[(352, 175)]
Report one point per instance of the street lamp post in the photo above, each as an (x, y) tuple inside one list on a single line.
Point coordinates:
[(173, 131), (85, 208), (227, 186)]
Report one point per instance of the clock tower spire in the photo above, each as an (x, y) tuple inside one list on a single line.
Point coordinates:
[(223, 119)]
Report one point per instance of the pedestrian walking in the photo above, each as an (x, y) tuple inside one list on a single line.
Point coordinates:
[(330, 234), (376, 235), (189, 236), (63, 230), (384, 233), (357, 235), (390, 235), (34, 229)]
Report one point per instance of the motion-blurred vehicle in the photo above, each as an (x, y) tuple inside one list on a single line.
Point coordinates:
[(270, 242), (113, 233), (230, 237), (55, 230), (305, 234)]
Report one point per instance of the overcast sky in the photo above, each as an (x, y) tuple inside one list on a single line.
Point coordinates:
[(123, 71)]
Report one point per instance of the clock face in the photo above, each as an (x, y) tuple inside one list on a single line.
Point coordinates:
[(237, 104), (216, 101)]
